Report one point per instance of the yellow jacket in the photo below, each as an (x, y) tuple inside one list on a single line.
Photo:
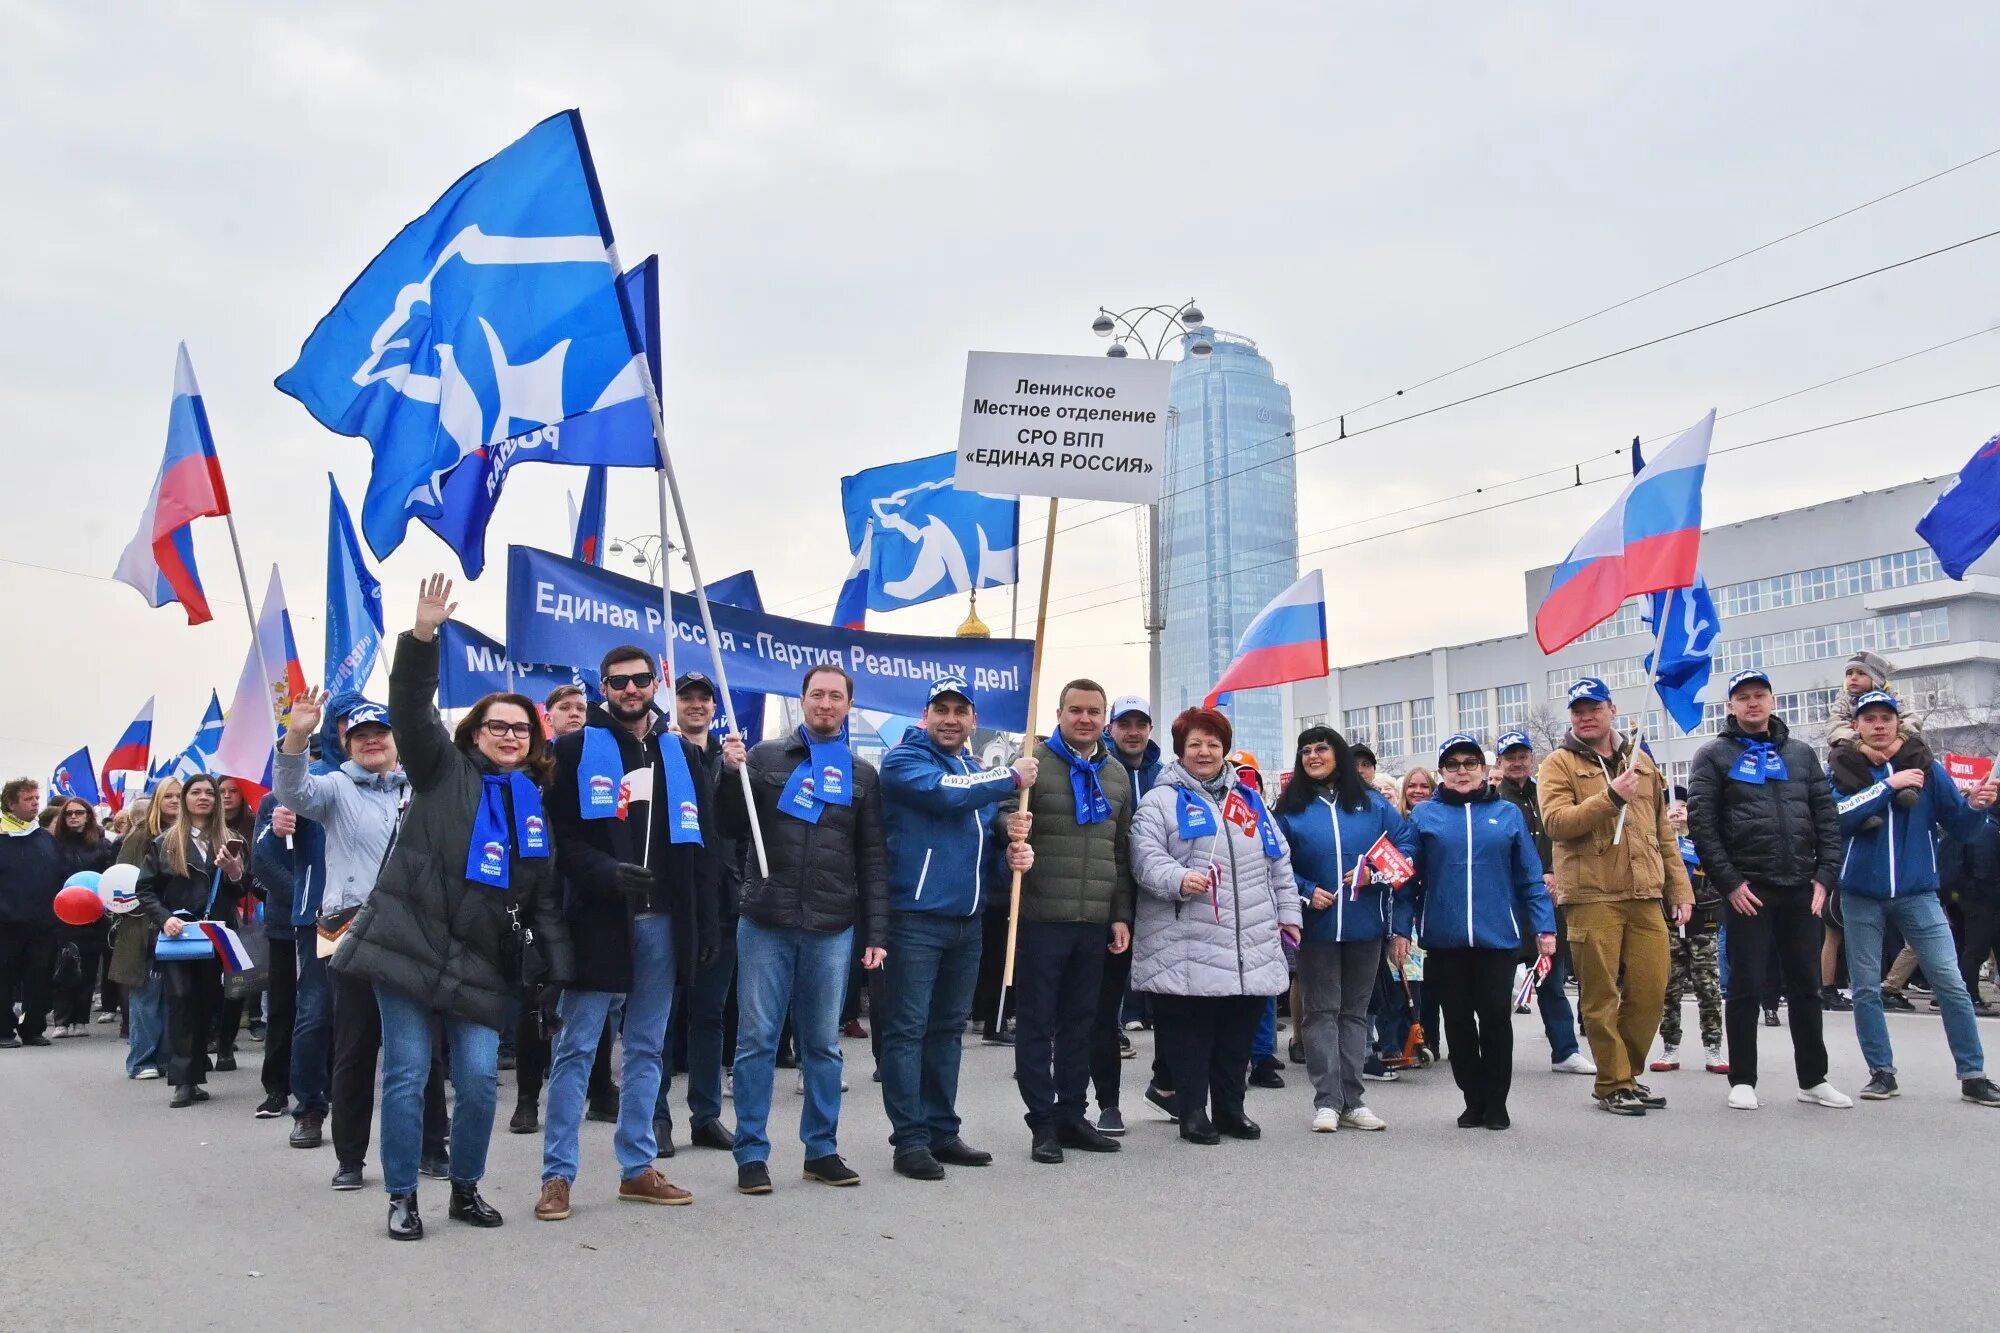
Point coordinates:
[(1580, 814)]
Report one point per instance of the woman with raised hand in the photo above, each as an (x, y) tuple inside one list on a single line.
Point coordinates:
[(1476, 896), (466, 899), (1331, 819), (192, 873)]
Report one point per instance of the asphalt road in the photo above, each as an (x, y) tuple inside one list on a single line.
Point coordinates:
[(128, 1215)]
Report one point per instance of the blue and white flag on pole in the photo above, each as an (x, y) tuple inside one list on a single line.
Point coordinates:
[(1687, 647), (483, 331), (75, 777), (353, 602), (199, 756), (1962, 523), (928, 539)]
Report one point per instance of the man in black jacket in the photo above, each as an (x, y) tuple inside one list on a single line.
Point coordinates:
[(819, 811), (31, 870), (1767, 832), (630, 807), (705, 996)]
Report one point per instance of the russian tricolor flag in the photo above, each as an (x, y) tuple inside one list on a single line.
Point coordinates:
[(272, 677), (851, 610), (132, 754), (1648, 541), (229, 950), (1286, 642), (159, 562)]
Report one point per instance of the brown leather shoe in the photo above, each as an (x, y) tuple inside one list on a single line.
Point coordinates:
[(553, 1206), (649, 1186)]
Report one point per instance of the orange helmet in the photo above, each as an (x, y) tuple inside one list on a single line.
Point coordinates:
[(1244, 759)]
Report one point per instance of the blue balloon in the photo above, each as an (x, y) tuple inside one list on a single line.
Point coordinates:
[(82, 879)]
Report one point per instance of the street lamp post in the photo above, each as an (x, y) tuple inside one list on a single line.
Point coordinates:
[(1127, 329), (648, 552)]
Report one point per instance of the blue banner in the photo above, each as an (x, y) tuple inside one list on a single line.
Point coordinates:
[(560, 610), (472, 666), (353, 602), (740, 590), (924, 538)]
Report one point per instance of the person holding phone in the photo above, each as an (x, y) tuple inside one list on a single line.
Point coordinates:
[(190, 874), (1478, 884)]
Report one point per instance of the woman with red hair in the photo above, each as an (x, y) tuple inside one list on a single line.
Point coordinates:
[(1215, 895)]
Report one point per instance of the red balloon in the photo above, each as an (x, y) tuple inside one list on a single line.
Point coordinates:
[(78, 906)]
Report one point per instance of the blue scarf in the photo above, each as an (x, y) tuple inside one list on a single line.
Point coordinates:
[(825, 777), (1196, 817), (1092, 805), (1688, 853), (1760, 763), (487, 856), (601, 769)]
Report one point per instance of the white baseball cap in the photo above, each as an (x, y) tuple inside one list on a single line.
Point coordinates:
[(1130, 703)]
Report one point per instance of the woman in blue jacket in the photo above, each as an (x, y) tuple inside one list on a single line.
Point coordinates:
[(1331, 817), (1476, 896)]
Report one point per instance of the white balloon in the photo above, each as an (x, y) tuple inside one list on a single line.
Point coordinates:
[(118, 887)]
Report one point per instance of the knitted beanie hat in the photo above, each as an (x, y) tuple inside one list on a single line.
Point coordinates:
[(1877, 669)]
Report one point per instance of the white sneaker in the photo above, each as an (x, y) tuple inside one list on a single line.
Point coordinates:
[(729, 1084), (146, 1074), (1579, 1063), (1715, 1064), (1825, 1094), (1133, 1025), (1362, 1118), (58, 1031), (1743, 1097), (107, 1017), (799, 1083), (1326, 1120)]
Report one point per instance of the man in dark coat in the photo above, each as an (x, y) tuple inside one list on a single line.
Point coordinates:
[(31, 870)]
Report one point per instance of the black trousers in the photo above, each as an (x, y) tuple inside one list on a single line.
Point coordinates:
[(1475, 997), (194, 993), (1058, 967), (1786, 925), (357, 1047), (1204, 1041), (1105, 1066), (284, 998), (72, 1002), (987, 996), (27, 968), (1980, 939)]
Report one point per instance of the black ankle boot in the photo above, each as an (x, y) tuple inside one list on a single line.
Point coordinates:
[(404, 1223), (467, 1206)]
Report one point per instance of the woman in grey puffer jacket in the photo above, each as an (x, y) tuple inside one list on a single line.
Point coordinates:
[(1215, 895)]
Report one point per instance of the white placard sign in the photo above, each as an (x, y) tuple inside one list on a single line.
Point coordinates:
[(1079, 427)]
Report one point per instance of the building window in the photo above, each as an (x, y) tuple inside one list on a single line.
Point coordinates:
[(1617, 673), (1510, 707), (1897, 570), (1904, 629), (1354, 725), (1471, 713), (1925, 694), (1677, 774), (1423, 728), (1388, 730), (1629, 619), (1307, 720)]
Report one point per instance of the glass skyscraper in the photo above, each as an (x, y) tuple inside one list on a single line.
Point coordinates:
[(1229, 531)]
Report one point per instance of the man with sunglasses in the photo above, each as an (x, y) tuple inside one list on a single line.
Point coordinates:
[(630, 806), (1604, 806)]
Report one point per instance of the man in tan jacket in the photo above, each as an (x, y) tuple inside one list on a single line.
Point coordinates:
[(1604, 805)]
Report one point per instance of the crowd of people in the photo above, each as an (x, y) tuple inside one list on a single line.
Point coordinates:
[(543, 886)]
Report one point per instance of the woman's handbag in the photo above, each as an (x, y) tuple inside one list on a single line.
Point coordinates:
[(190, 946)]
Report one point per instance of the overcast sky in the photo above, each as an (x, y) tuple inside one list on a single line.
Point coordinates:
[(848, 197)]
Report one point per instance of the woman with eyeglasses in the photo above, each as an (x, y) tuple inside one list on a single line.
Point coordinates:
[(466, 899), (1476, 897), (1332, 818), (81, 843)]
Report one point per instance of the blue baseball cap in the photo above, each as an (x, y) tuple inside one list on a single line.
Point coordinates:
[(1461, 740), (1509, 739), (364, 714), (1876, 699), (1586, 689), (1754, 676), (944, 685)]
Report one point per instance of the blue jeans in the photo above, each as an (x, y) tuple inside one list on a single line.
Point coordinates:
[(1558, 1019), (407, 1041), (147, 1021), (706, 1001), (1921, 919), (806, 970), (648, 1006), (926, 994), (312, 1028), (1264, 1041)]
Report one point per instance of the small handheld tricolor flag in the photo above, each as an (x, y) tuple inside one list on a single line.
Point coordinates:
[(1286, 642), (229, 950)]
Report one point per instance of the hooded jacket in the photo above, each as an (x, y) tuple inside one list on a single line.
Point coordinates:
[(1144, 773), (1082, 872), (824, 877), (1326, 841), (1478, 883), (357, 812), (1595, 861), (1225, 942), (1783, 833), (947, 835), (426, 930), (589, 852), (1898, 857)]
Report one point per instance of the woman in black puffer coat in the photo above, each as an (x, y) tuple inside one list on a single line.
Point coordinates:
[(465, 902), (81, 843)]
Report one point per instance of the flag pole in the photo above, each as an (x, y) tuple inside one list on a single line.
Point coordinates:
[(666, 583), (1034, 690), (1659, 650)]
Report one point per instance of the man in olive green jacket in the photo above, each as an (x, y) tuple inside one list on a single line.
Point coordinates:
[(1076, 905), (1604, 805)]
